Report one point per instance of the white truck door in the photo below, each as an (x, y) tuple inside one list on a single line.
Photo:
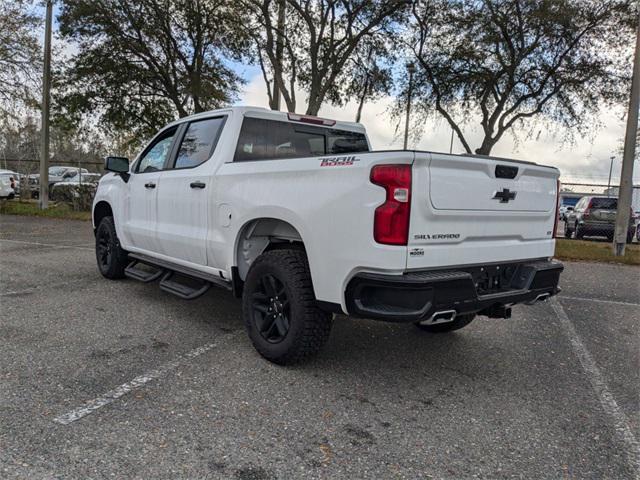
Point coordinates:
[(140, 218), (186, 194)]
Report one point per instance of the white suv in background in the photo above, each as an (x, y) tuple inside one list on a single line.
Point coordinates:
[(8, 184)]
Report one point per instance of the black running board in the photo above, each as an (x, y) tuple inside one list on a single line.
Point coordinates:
[(181, 290), (167, 270), (142, 275)]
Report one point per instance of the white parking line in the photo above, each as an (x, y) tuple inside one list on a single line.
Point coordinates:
[(112, 395), (609, 404), (53, 245), (599, 300)]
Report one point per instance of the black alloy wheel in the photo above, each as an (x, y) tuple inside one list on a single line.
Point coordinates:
[(104, 248), (111, 258), (271, 309)]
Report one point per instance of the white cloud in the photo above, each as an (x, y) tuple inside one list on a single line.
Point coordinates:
[(584, 160)]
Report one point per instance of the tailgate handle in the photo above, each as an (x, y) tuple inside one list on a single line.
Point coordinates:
[(505, 171)]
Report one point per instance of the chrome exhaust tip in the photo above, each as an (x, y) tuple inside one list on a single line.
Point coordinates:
[(540, 298), (443, 316)]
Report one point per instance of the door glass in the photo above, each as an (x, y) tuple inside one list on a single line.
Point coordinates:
[(198, 143), (153, 159)]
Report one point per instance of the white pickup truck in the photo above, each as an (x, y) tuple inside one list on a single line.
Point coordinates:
[(301, 220)]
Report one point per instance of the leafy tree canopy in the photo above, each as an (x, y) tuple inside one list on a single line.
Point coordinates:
[(142, 64), (20, 61), (315, 45), (507, 61)]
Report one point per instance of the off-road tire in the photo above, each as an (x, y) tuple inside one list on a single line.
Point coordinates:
[(308, 326), (459, 322), (111, 263)]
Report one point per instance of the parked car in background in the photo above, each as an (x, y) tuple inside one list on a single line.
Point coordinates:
[(75, 181), (79, 176), (56, 174), (8, 183), (595, 217)]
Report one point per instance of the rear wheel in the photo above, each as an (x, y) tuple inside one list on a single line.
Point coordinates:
[(459, 322), (579, 232), (279, 308), (567, 230), (111, 258)]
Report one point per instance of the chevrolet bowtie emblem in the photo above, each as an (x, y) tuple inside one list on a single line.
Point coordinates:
[(505, 195)]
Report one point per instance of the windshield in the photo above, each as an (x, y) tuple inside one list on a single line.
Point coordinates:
[(57, 171)]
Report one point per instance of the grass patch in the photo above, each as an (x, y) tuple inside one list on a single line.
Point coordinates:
[(31, 208), (595, 252)]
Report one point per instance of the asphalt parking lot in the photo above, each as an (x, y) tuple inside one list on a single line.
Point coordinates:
[(103, 379)]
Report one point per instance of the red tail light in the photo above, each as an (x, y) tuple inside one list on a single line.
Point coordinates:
[(13, 182), (555, 223), (587, 211), (391, 220)]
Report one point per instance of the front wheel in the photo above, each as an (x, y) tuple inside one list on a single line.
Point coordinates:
[(111, 258), (279, 308), (459, 322)]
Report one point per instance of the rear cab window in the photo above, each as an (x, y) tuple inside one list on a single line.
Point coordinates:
[(599, 203), (262, 139)]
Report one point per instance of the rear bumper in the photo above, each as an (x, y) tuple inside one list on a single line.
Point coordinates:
[(417, 296), (602, 228)]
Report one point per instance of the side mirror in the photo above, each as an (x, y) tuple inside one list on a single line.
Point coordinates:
[(118, 165)]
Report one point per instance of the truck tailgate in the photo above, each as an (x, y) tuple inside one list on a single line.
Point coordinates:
[(472, 210)]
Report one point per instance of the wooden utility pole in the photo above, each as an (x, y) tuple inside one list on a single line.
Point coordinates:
[(626, 177), (46, 103)]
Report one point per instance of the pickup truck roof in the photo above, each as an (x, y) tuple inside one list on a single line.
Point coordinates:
[(259, 112)]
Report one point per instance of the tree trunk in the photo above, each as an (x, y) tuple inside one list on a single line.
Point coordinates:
[(487, 146), (314, 105), (363, 97), (277, 87)]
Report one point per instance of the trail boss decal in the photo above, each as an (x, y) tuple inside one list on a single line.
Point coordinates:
[(437, 236), (338, 161)]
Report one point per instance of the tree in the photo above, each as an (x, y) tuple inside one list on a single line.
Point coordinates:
[(20, 61), (371, 75), (143, 63), (507, 61), (312, 44)]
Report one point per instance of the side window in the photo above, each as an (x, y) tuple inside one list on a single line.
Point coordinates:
[(582, 203), (156, 154), (199, 142), (341, 141)]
